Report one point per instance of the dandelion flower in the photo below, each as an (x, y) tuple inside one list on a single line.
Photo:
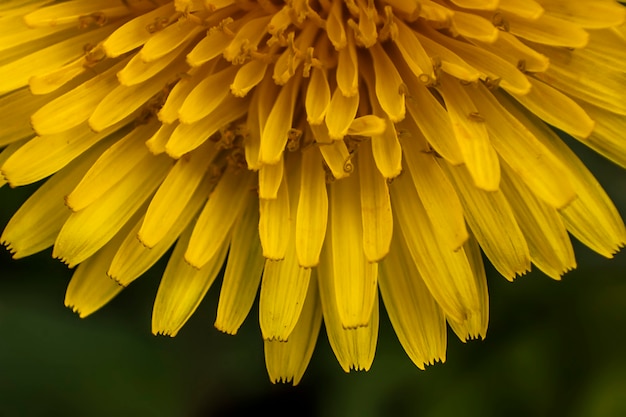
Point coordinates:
[(320, 150)]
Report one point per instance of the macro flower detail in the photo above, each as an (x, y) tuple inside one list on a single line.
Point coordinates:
[(321, 151)]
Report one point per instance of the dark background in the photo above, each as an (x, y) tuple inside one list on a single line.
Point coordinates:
[(552, 349)]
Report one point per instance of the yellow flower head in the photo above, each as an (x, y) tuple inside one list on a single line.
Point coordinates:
[(321, 150)]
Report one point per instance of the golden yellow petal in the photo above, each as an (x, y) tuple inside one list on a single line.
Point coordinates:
[(243, 270), (207, 96), (278, 123), (312, 211), (90, 288), (35, 225), (353, 276), (417, 319), (134, 34), (133, 258), (286, 361), (187, 137), (183, 287), (516, 145), (470, 130), (476, 324), (186, 180), (491, 220), (123, 100), (435, 191), (170, 39), (375, 207), (388, 84), (317, 97), (557, 109), (548, 242), (111, 167), (223, 209), (353, 348), (547, 29), (607, 136), (446, 273), (45, 155), (90, 229), (74, 107), (275, 222), (283, 291), (341, 113)]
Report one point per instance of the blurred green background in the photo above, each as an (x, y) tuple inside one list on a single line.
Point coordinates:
[(552, 349)]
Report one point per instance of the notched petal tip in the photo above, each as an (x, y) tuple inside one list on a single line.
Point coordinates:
[(76, 309)]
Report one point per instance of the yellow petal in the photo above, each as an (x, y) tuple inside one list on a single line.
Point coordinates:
[(435, 191), (375, 207), (185, 138), (134, 34), (317, 96), (312, 212), (283, 291), (429, 116), (172, 38), (335, 153), (15, 111), (606, 137), (580, 76), (491, 219), (476, 325), (270, 179), (387, 152), (45, 155), (354, 277), (157, 142), (187, 179), (17, 72), (248, 77), (243, 270), (91, 228), (183, 287), (588, 13), (490, 65), (278, 123), (353, 348), (548, 242), (90, 288), (557, 109), (474, 27), (36, 224), (517, 53), (591, 217), (548, 29), (137, 70), (417, 319), (207, 96), (340, 114), (446, 273), (178, 94), (471, 134), (286, 361), (348, 69), (412, 51), (388, 84), (208, 48), (224, 207), (123, 100), (75, 106), (530, 160), (274, 223), (112, 166)]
